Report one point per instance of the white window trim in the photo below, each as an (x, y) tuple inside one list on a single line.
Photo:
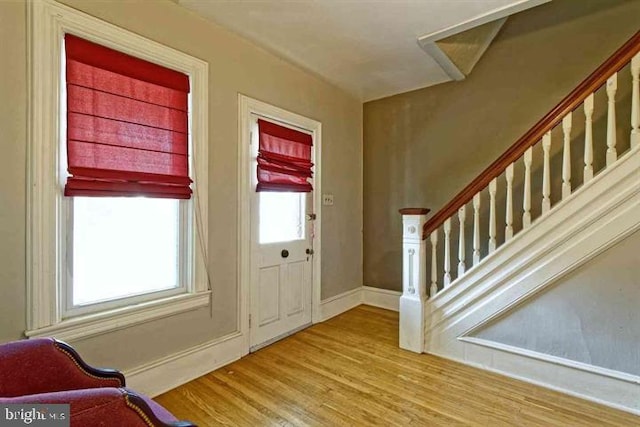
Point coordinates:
[(47, 22)]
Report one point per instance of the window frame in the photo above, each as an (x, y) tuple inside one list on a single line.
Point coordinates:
[(48, 211)]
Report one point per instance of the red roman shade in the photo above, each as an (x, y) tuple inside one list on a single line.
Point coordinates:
[(284, 159), (127, 125)]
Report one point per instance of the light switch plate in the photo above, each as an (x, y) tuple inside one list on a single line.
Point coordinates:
[(327, 199)]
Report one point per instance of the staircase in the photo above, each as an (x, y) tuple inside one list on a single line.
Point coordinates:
[(545, 284)]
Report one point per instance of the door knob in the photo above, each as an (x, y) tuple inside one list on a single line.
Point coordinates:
[(309, 251), (284, 253)]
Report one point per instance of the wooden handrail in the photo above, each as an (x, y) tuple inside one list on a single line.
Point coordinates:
[(414, 211), (588, 86)]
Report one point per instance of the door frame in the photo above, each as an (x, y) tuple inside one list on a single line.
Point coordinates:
[(246, 107)]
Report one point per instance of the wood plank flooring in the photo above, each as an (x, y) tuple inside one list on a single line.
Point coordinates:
[(349, 371)]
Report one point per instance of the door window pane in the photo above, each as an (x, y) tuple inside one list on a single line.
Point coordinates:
[(282, 216), (123, 247)]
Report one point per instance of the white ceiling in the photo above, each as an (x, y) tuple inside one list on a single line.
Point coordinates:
[(367, 47)]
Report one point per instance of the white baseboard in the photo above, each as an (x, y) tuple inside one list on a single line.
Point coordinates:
[(368, 295), (589, 385), (340, 303), (179, 368), (382, 298)]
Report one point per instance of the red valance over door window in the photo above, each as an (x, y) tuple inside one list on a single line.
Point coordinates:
[(284, 159), (127, 125)]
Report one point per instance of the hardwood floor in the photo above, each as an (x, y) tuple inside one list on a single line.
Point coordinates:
[(349, 371)]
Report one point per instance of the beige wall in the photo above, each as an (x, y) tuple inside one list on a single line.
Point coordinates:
[(596, 307), (12, 169), (422, 147), (236, 66)]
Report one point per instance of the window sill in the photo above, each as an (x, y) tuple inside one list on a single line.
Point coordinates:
[(112, 320)]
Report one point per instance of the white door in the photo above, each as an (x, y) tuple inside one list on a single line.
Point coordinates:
[(281, 283)]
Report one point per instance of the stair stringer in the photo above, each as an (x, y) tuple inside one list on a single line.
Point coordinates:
[(593, 219)]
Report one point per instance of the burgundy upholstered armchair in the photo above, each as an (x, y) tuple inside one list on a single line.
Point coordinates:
[(44, 370)]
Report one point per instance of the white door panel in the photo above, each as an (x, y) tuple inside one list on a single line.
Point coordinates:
[(295, 286), (269, 295)]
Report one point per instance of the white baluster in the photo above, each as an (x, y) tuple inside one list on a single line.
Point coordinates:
[(526, 200), (566, 156), (447, 252), (635, 101), (546, 174), (434, 264), (493, 187), (462, 214), (476, 229), (588, 139), (612, 87), (508, 230)]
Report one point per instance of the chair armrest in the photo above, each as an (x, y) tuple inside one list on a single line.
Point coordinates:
[(158, 416), (43, 365), (103, 407)]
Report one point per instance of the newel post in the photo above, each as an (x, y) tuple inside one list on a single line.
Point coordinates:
[(414, 279)]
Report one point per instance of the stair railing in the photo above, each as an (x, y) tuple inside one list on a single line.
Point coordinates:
[(418, 231)]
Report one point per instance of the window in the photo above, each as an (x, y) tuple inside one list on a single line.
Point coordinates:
[(118, 166), (127, 136), (282, 216), (140, 237), (283, 169)]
